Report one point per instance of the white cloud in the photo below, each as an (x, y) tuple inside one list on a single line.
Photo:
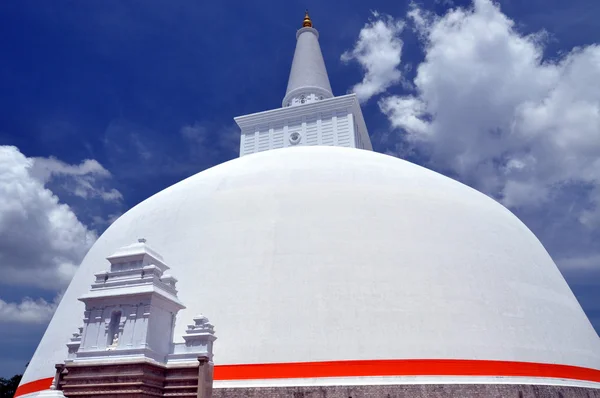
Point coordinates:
[(378, 50), (486, 107), (207, 145), (41, 239), (489, 109), (104, 222), (80, 180), (141, 153), (589, 262), (46, 167), (28, 311)]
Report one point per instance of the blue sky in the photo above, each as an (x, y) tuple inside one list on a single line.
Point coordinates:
[(108, 102)]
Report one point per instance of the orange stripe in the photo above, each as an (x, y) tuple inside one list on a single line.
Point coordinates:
[(34, 386), (401, 367)]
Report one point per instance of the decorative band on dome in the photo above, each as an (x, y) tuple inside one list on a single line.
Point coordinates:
[(381, 368), (405, 367)]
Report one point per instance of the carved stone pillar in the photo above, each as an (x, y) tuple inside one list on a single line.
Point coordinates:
[(205, 377), (54, 391), (58, 375)]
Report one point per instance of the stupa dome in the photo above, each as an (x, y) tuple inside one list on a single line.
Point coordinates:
[(312, 254)]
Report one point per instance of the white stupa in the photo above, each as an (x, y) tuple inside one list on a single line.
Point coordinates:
[(322, 263)]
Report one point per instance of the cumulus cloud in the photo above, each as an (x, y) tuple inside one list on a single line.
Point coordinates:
[(207, 144), (378, 51), (102, 222), (41, 240), (139, 152), (80, 180), (488, 107), (28, 311), (491, 110), (586, 263)]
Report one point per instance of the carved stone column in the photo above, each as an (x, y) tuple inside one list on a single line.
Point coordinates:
[(205, 377), (58, 375), (54, 390)]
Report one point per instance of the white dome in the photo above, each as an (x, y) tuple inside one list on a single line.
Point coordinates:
[(327, 254)]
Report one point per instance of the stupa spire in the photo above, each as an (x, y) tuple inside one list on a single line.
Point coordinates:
[(307, 23), (308, 80), (310, 114)]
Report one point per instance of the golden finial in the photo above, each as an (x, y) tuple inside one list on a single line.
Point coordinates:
[(307, 23)]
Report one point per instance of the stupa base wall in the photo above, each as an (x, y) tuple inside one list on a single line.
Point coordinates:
[(139, 380), (412, 391), (145, 380)]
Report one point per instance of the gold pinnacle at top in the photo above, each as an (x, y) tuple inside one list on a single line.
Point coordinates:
[(307, 23)]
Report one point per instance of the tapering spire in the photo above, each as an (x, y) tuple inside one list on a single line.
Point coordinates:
[(308, 80), (310, 114), (307, 23)]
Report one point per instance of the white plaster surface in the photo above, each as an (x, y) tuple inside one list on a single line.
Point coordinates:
[(51, 394), (328, 253)]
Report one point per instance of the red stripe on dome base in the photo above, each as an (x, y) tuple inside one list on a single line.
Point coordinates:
[(400, 367), (34, 386), (403, 367)]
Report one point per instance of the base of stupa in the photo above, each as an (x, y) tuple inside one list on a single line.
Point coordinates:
[(136, 379), (144, 379)]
